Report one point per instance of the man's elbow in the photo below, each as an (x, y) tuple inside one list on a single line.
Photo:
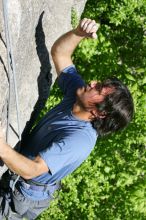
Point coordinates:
[(35, 172), (58, 52), (28, 176), (54, 51), (55, 55)]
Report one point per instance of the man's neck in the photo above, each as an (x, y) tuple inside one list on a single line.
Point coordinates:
[(80, 113)]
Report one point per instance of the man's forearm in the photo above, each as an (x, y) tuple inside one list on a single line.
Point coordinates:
[(66, 44), (17, 162), (63, 48)]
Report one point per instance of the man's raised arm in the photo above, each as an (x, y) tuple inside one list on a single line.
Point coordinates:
[(63, 48)]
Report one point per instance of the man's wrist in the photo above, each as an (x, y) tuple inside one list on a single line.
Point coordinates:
[(79, 33)]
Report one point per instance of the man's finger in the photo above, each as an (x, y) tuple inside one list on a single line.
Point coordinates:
[(86, 24), (83, 22), (90, 26), (94, 35)]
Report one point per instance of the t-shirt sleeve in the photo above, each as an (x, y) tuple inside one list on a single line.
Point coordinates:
[(71, 150), (69, 81)]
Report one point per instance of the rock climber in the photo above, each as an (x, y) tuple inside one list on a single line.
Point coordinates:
[(65, 136)]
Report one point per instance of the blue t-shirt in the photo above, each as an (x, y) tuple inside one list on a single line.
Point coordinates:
[(62, 140)]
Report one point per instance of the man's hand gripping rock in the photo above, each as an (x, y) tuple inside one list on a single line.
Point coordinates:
[(87, 28)]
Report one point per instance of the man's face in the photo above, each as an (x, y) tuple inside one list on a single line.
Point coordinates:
[(92, 94)]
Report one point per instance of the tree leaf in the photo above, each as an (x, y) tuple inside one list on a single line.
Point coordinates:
[(130, 77)]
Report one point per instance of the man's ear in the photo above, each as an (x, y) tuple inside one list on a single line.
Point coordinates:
[(97, 114)]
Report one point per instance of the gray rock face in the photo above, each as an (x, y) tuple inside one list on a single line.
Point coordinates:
[(34, 26)]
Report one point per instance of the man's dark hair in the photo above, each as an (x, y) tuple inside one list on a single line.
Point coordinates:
[(117, 106)]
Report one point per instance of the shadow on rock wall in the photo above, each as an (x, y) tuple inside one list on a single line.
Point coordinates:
[(44, 78)]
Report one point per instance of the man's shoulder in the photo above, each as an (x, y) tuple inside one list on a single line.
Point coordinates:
[(69, 81), (82, 136), (82, 142)]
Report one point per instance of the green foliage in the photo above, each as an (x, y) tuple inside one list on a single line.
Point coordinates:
[(74, 18), (111, 183)]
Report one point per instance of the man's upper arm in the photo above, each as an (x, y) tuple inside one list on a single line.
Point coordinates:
[(61, 62)]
